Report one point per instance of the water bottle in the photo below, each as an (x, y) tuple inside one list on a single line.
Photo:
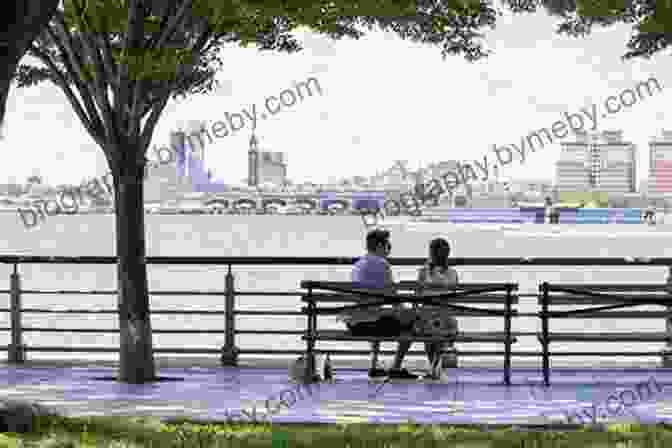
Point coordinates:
[(327, 371)]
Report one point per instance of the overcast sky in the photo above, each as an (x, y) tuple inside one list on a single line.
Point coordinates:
[(383, 99)]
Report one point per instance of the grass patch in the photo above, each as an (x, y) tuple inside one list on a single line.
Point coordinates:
[(121, 432)]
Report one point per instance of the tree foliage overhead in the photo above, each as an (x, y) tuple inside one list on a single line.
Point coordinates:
[(119, 61), (651, 20)]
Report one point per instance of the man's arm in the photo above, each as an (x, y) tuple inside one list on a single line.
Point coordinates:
[(389, 277)]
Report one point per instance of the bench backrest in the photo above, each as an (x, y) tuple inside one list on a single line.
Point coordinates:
[(318, 291), (623, 292)]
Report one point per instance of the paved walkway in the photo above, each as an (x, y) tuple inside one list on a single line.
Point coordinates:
[(201, 390)]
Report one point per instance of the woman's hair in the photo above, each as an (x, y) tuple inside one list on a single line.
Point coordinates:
[(439, 250), (375, 238)]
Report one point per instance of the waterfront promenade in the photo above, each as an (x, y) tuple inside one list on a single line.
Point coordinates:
[(298, 237), (201, 390)]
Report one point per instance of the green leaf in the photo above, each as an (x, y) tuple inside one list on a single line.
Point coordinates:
[(600, 8)]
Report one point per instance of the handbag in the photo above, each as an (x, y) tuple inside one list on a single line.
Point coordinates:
[(384, 326)]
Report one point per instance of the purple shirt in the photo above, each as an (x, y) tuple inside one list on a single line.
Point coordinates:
[(372, 271)]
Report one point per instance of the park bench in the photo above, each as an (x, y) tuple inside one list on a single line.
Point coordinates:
[(606, 297), (335, 293)]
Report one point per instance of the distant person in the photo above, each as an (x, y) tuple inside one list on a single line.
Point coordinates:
[(548, 211), (434, 319), (374, 271), (649, 215)]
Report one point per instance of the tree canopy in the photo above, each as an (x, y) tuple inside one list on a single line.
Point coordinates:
[(651, 20)]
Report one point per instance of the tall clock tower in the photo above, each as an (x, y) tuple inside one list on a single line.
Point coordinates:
[(253, 162)]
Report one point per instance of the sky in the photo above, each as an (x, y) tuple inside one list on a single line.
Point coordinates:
[(383, 99)]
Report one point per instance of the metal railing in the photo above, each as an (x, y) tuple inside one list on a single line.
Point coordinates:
[(229, 352)]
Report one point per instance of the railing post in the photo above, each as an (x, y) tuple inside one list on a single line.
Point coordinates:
[(16, 352), (311, 310), (666, 354), (544, 332), (507, 333), (230, 351)]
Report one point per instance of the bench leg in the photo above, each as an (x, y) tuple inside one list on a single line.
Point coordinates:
[(666, 357), (666, 354), (448, 356)]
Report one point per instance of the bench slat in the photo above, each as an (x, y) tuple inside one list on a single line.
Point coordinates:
[(315, 284), (578, 300), (618, 314), (612, 287), (327, 312), (340, 335), (480, 298), (606, 337)]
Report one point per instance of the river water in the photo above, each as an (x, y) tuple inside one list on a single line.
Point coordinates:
[(224, 235)]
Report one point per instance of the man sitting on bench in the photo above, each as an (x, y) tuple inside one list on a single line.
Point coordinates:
[(374, 271)]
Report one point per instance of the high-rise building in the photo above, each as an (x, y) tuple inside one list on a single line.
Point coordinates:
[(189, 146), (165, 181), (600, 162), (660, 164)]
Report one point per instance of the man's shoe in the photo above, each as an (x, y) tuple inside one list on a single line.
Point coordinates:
[(449, 360), (402, 374), (377, 373)]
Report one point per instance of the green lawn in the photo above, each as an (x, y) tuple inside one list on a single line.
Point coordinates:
[(118, 432)]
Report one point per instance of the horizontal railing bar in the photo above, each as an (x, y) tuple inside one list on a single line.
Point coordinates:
[(458, 352), (199, 350), (299, 332), (196, 350), (368, 352), (113, 330), (151, 293), (268, 313), (250, 261), (267, 293), (80, 311), (205, 312), (66, 291)]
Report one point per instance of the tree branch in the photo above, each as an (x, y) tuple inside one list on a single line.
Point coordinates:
[(134, 116), (150, 124), (63, 83), (74, 69), (99, 83), (168, 31)]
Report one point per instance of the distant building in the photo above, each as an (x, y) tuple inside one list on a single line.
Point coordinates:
[(265, 166), (599, 162), (660, 164), (166, 181)]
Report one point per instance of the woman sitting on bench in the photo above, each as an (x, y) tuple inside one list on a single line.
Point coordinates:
[(433, 319)]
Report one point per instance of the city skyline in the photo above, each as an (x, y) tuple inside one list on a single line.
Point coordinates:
[(424, 110)]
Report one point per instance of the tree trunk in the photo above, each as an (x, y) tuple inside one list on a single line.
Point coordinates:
[(136, 358), (21, 21)]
